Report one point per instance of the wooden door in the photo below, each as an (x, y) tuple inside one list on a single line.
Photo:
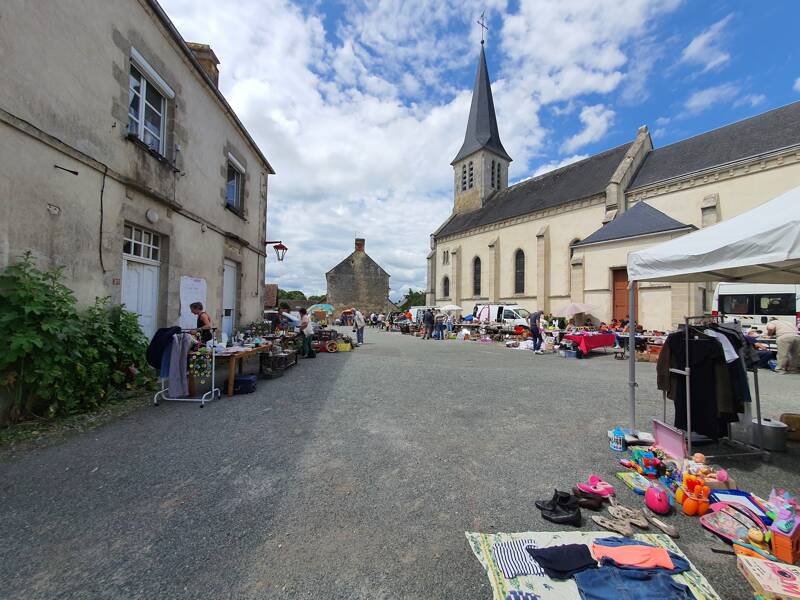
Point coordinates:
[(619, 288)]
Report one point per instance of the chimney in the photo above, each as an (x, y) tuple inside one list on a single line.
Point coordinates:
[(207, 59), (359, 244)]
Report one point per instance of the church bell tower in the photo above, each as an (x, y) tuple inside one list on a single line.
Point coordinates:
[(480, 169)]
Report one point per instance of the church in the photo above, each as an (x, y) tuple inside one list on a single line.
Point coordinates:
[(564, 236)]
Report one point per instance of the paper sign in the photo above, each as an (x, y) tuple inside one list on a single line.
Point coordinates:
[(193, 289)]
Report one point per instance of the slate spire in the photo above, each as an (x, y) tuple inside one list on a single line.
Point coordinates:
[(482, 124)]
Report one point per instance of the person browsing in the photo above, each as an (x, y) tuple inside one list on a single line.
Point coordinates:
[(307, 331), (203, 321)]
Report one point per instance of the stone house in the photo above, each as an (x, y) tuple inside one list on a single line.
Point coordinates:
[(564, 236), (122, 162), (358, 281)]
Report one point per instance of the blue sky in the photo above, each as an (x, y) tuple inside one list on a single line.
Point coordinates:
[(360, 106)]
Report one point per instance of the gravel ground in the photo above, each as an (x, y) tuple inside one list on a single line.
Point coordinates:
[(353, 476)]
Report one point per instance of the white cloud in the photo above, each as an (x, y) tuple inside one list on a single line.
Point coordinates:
[(557, 164), (706, 49), (796, 86), (360, 117), (751, 100), (702, 100), (596, 121)]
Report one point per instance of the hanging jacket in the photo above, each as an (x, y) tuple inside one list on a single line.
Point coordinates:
[(161, 339)]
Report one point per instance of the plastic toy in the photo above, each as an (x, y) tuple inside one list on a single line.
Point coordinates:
[(786, 545), (739, 526), (645, 462), (617, 441), (657, 500), (694, 496)]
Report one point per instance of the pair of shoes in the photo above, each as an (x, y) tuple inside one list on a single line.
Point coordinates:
[(596, 485), (588, 500), (621, 527), (561, 509), (666, 528)]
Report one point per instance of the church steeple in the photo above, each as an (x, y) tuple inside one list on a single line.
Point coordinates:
[(482, 129), (481, 165)]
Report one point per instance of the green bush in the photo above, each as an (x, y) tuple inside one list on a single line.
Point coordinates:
[(54, 359)]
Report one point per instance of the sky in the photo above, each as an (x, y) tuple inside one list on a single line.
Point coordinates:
[(361, 105)]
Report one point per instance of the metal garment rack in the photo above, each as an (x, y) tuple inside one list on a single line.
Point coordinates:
[(687, 373), (209, 395)]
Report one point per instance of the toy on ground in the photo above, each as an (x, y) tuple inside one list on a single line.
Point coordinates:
[(786, 544), (739, 526), (770, 580), (657, 500), (645, 462)]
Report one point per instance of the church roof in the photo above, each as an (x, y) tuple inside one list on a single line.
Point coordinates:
[(773, 130), (640, 219), (578, 180), (482, 129)]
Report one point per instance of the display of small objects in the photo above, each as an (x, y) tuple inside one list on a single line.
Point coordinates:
[(200, 364)]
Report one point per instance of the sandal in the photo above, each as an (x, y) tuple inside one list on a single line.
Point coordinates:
[(599, 482), (622, 513), (670, 530), (621, 527)]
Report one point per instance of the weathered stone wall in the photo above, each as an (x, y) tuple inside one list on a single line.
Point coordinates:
[(358, 282), (71, 111)]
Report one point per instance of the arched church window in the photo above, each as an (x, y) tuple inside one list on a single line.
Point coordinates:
[(572, 247), (463, 177), (446, 287), (519, 272), (471, 178), (476, 276)]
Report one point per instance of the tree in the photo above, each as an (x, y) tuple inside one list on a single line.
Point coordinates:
[(290, 295), (322, 298), (413, 298)]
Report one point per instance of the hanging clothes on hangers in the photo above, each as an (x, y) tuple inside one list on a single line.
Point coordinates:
[(710, 384)]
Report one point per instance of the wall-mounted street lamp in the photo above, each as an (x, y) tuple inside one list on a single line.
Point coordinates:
[(280, 249)]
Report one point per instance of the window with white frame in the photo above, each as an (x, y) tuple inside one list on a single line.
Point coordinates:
[(141, 243), (234, 187), (146, 111)]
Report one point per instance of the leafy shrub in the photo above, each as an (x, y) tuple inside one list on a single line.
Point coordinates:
[(54, 359)]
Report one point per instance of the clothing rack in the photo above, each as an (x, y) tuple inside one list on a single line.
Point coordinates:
[(747, 449), (209, 395)]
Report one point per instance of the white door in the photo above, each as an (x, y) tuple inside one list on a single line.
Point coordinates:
[(229, 278), (140, 293)]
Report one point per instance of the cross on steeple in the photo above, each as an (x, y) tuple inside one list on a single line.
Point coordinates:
[(482, 23)]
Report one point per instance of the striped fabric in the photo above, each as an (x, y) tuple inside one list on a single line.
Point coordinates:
[(515, 595), (513, 560)]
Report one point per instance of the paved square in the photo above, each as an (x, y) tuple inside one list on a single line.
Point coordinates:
[(353, 476)]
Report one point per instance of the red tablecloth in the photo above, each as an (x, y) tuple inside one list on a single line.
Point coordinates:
[(589, 342)]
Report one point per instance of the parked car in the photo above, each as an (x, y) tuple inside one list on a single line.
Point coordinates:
[(755, 304), (292, 321)]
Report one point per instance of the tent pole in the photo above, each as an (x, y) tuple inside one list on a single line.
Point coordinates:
[(632, 352)]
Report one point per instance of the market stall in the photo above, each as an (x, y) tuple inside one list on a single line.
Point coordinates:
[(587, 341), (761, 245)]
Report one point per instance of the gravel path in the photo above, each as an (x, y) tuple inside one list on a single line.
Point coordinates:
[(353, 476)]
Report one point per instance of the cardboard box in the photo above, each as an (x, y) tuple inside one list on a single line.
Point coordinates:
[(771, 580)]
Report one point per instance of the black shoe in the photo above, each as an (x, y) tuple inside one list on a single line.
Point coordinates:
[(562, 499), (563, 516), (587, 499)]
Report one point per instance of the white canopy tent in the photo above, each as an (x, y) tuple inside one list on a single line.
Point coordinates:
[(761, 245)]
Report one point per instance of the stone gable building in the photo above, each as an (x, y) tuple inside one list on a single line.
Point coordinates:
[(564, 236), (360, 282), (122, 162)]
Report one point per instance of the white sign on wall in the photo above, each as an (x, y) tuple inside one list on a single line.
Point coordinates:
[(193, 289)]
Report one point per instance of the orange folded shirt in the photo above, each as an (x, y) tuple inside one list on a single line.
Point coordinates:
[(645, 557)]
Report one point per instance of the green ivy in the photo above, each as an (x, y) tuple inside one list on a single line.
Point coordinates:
[(54, 359)]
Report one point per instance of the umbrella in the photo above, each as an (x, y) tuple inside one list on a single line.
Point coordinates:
[(449, 307), (326, 307), (570, 310)]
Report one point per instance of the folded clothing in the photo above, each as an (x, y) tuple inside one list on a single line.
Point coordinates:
[(517, 595), (562, 562), (645, 557), (513, 559), (610, 583), (679, 563)]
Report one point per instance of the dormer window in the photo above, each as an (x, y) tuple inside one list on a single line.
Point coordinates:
[(471, 178)]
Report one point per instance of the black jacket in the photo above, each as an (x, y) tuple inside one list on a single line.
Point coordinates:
[(161, 340)]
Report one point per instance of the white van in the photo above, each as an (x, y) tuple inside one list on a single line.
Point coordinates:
[(755, 304), (418, 311), (508, 314)]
